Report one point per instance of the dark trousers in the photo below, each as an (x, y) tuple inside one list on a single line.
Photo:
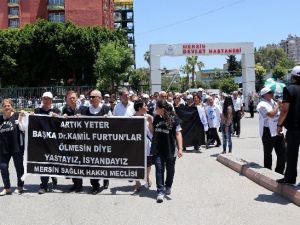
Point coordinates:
[(4, 165), (278, 144), (45, 181), (293, 142), (77, 182), (161, 163), (212, 136), (95, 183), (251, 110), (237, 123)]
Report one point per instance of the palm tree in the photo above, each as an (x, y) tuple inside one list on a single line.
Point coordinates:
[(193, 62), (186, 69)]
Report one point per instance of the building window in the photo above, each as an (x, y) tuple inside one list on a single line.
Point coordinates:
[(56, 2), (57, 17), (13, 23), (13, 1), (13, 11)]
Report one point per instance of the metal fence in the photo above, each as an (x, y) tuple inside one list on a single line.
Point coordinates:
[(30, 97)]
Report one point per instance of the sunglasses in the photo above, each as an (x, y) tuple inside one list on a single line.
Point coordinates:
[(92, 97)]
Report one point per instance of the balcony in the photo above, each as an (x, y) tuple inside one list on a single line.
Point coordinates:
[(12, 16), (55, 7), (13, 5)]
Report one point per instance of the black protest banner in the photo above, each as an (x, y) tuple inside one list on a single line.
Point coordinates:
[(94, 147), (192, 127)]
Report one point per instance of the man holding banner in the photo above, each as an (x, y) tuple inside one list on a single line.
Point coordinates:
[(46, 109), (96, 108), (72, 109)]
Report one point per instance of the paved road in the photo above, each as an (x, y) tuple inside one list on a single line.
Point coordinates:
[(204, 192)]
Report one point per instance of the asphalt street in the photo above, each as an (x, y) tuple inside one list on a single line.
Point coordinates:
[(204, 192)]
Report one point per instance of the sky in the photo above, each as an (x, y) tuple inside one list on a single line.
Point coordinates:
[(211, 21)]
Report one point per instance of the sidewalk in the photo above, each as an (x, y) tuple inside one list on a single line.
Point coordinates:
[(204, 192)]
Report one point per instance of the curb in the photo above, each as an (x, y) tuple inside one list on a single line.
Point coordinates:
[(262, 176)]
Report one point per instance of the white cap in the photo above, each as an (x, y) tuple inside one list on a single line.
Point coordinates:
[(47, 94), (296, 71), (106, 95), (200, 89), (189, 97), (130, 93), (264, 91), (145, 96), (81, 97)]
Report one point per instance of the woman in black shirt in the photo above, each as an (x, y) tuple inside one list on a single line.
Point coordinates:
[(167, 132), (11, 146)]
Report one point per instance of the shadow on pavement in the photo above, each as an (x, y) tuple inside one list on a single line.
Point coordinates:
[(129, 190), (215, 155), (273, 198)]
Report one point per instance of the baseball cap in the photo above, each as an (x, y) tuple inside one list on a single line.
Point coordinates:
[(145, 96), (130, 93), (47, 94), (106, 95), (81, 97), (189, 97), (296, 71), (264, 91)]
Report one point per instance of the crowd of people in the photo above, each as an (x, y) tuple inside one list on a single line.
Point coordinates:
[(165, 142)]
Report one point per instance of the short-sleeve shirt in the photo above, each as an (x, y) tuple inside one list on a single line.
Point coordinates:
[(291, 95), (164, 137), (10, 135), (121, 110)]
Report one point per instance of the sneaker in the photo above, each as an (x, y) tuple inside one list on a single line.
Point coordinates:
[(42, 191), (168, 191), (75, 188), (95, 191), (160, 197), (148, 184), (5, 192), (19, 190), (286, 181), (78, 189)]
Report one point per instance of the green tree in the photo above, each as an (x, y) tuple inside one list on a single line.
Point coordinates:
[(139, 79), (260, 73), (269, 57), (234, 66), (228, 85), (45, 51), (186, 69), (193, 62), (279, 72), (113, 63)]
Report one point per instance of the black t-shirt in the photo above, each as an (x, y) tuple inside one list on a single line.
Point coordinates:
[(164, 137), (103, 111), (10, 135), (42, 111), (72, 112), (291, 95)]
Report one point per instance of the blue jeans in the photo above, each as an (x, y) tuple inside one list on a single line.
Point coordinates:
[(4, 165), (227, 139), (161, 162)]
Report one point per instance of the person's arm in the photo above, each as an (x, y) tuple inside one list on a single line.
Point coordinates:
[(150, 123), (273, 112), (282, 117), (179, 144)]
